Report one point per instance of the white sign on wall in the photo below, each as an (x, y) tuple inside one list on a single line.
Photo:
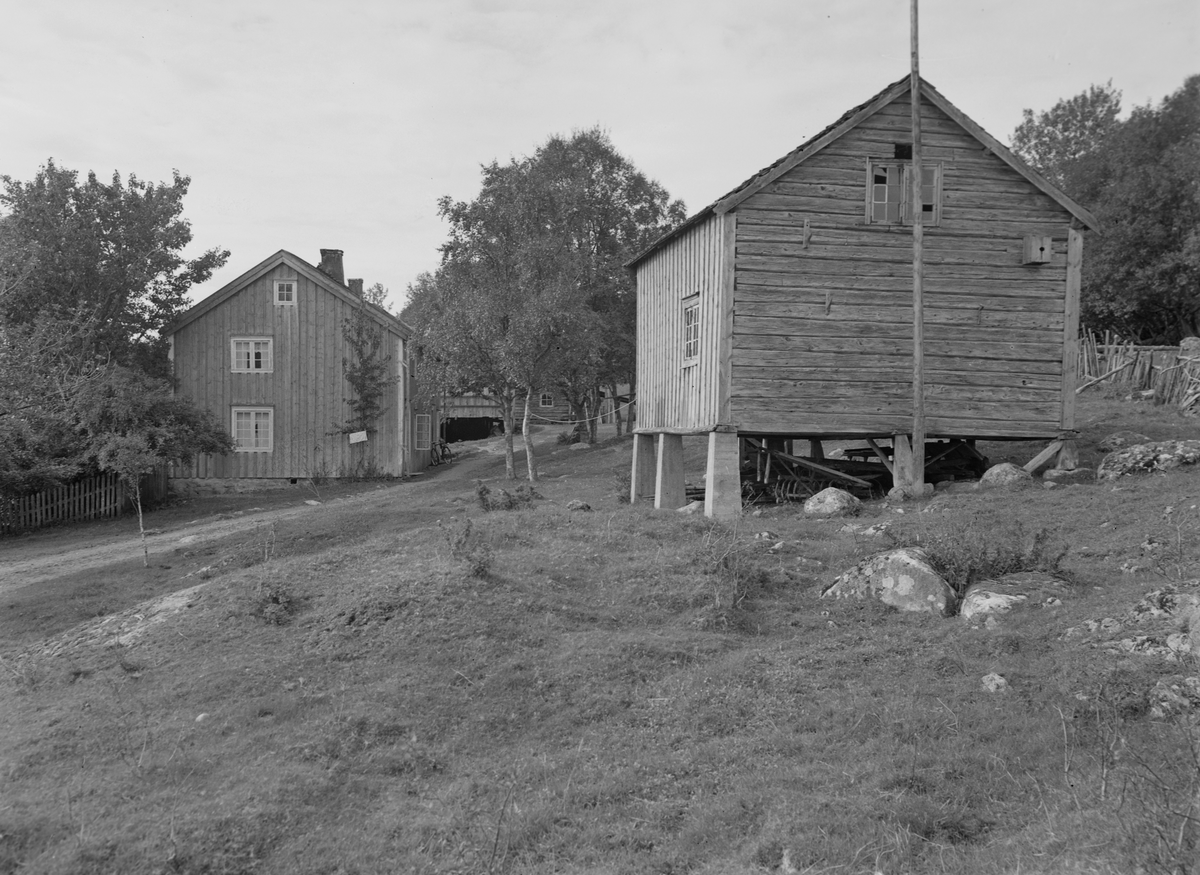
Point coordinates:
[(357, 437)]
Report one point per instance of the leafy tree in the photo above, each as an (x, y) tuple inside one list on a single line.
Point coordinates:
[(1141, 274), (367, 369), (376, 294), (1055, 142), (532, 292), (110, 253), (132, 423)]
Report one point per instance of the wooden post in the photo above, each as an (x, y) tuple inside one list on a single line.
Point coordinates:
[(916, 479), (641, 480), (723, 479), (670, 492)]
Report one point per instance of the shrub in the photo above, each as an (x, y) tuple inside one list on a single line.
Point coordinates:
[(966, 549), (274, 603)]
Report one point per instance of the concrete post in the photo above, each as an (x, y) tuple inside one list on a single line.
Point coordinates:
[(669, 489), (723, 481), (641, 480)]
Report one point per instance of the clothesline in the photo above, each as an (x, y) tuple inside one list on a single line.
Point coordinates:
[(580, 421)]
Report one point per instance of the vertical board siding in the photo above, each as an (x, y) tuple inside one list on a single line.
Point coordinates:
[(822, 334), (669, 395), (307, 389)]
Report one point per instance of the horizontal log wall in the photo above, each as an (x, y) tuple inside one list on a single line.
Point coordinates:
[(822, 334), (307, 389), (670, 395)]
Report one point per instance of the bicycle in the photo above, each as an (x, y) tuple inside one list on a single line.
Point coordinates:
[(440, 454)]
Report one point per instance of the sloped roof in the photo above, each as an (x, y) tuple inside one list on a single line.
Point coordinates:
[(301, 267), (850, 119)]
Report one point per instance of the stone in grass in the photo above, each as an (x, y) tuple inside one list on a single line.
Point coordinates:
[(994, 683), (1005, 475), (691, 507), (1063, 475), (1001, 595), (1147, 458), (902, 578), (576, 504), (832, 502)]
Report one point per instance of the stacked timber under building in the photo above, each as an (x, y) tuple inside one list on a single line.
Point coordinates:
[(783, 313)]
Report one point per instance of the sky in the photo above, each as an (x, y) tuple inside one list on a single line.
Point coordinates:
[(307, 125)]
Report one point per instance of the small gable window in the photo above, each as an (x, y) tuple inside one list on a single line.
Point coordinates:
[(888, 193), (252, 355), (285, 292)]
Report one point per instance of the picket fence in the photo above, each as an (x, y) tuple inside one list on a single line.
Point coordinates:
[(91, 498)]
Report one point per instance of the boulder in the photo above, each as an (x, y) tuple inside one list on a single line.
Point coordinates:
[(1005, 475), (1174, 696), (1146, 458), (1119, 440), (999, 596), (901, 578), (832, 502), (576, 504)]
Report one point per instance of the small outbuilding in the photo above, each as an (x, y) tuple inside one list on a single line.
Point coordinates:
[(784, 310)]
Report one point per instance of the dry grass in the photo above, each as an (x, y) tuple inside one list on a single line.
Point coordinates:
[(537, 691)]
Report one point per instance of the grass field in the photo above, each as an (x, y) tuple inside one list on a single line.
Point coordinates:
[(615, 691)]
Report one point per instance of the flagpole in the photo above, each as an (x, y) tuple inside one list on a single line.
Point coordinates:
[(918, 426)]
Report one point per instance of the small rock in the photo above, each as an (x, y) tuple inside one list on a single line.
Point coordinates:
[(200, 718), (994, 683), (1005, 475), (576, 504), (776, 548), (311, 501), (692, 507), (832, 502), (1064, 475), (765, 536), (1049, 484)]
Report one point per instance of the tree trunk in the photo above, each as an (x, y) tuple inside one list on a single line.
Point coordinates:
[(579, 414), (506, 410), (137, 500), (530, 462), (616, 402), (593, 422)]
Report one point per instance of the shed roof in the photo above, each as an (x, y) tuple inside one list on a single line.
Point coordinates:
[(851, 118), (301, 267)]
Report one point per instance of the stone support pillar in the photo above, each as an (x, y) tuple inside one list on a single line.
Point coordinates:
[(723, 480), (641, 480), (669, 489)]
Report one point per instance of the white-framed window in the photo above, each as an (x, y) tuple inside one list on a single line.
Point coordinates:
[(285, 292), (888, 187), (251, 355), (546, 400), (424, 431), (691, 330), (253, 429)]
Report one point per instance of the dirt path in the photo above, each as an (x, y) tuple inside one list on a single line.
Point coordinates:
[(47, 557)]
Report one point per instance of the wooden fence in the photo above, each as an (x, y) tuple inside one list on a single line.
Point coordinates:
[(92, 498), (1172, 373)]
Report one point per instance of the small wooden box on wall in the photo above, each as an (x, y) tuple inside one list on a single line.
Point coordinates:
[(1037, 250)]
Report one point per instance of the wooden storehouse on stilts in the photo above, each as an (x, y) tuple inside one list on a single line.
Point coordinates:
[(783, 312)]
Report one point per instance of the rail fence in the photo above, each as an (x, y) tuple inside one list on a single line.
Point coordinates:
[(1172, 373), (91, 498)]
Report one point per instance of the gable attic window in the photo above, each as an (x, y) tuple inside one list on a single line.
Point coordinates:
[(251, 355), (285, 292), (691, 329), (888, 185)]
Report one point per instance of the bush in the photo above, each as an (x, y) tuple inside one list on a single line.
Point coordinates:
[(966, 549), (274, 603)]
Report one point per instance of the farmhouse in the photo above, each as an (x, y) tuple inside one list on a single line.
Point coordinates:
[(265, 354), (784, 310)]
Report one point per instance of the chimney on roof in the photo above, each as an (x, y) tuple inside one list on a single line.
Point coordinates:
[(331, 265), (355, 286)]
